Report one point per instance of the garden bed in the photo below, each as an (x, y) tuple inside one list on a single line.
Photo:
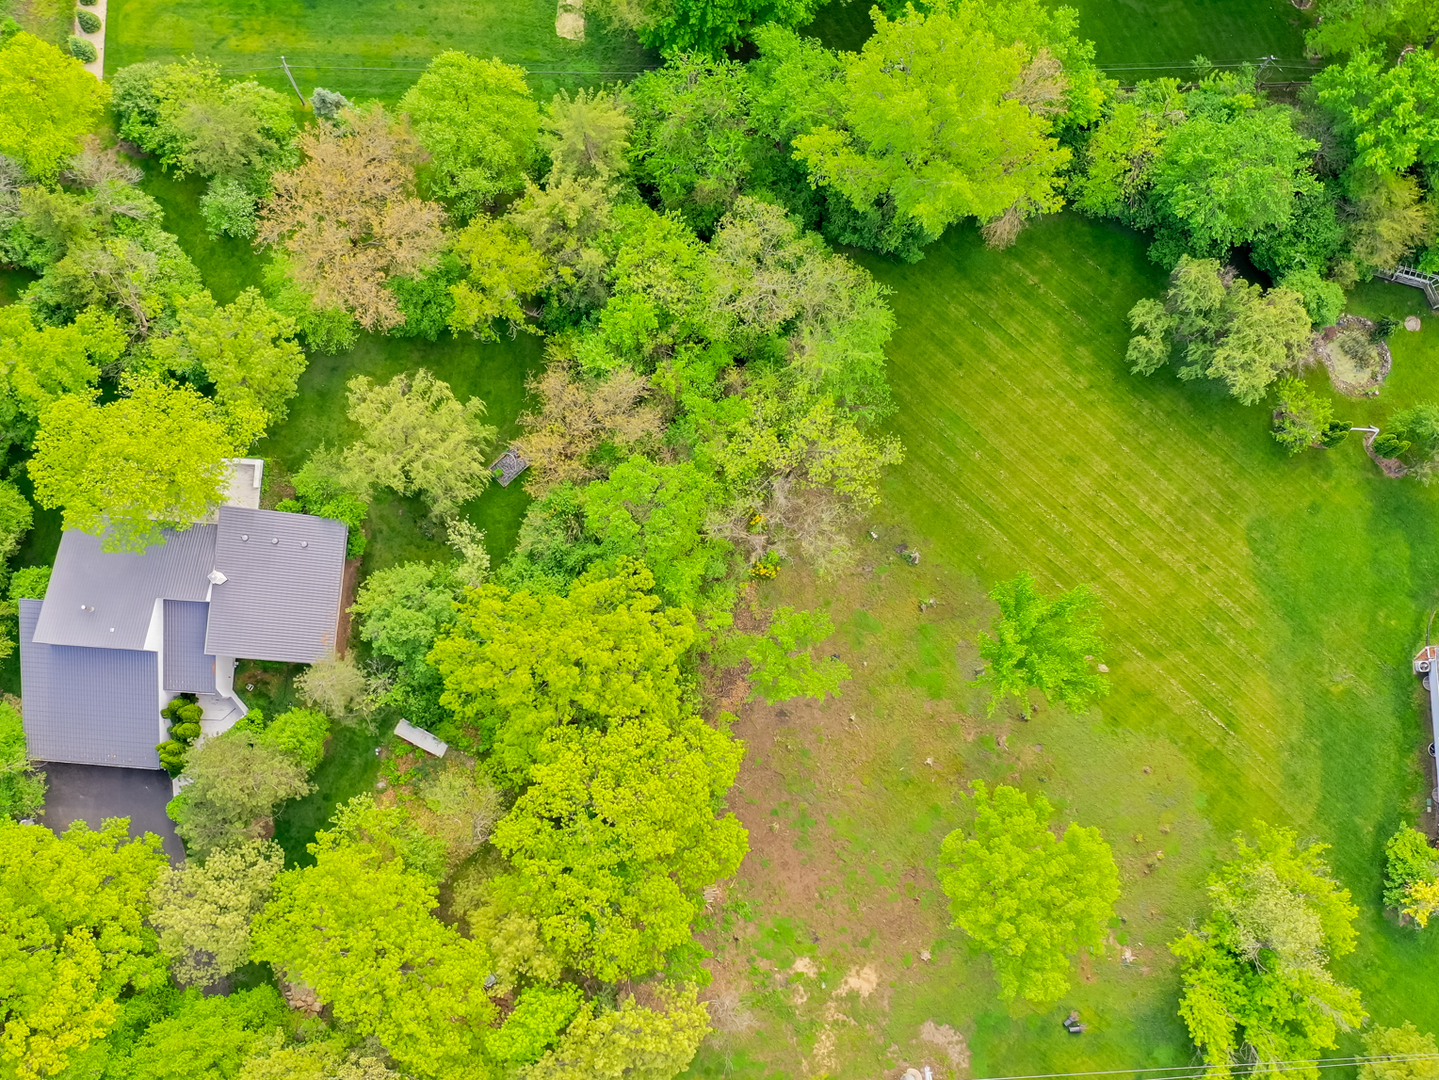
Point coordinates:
[(1357, 365)]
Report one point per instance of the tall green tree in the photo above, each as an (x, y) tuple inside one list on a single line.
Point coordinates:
[(360, 929), (1048, 645), (500, 269), (417, 438), (1388, 112), (51, 101), (479, 123), (1402, 1053), (702, 26), (40, 364), (1228, 180), (516, 665), (236, 782), (1229, 329), (1344, 26), (632, 1042), (950, 114), (74, 909), (1255, 976), (203, 910), (246, 348), (1027, 897), (125, 469), (617, 836), (207, 1038)]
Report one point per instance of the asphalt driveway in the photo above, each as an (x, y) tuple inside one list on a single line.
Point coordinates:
[(92, 793)]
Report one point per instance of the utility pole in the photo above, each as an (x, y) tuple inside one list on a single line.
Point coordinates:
[(286, 65)]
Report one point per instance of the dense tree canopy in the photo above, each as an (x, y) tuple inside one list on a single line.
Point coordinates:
[(74, 911), (50, 102), (124, 469), (516, 665), (949, 113), (479, 124)]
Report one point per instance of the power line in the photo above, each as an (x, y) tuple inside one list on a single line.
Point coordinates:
[(1188, 1072)]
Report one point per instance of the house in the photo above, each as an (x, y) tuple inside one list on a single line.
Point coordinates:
[(121, 634)]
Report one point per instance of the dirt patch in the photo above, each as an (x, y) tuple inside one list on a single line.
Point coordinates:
[(1356, 364), (861, 981), (570, 20), (948, 1040), (347, 598)]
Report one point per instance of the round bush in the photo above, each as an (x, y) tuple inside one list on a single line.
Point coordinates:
[(88, 3), (82, 50), (88, 20)]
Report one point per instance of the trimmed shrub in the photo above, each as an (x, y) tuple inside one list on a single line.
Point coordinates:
[(88, 20), (88, 3), (1383, 328), (1387, 444), (82, 50), (228, 208)]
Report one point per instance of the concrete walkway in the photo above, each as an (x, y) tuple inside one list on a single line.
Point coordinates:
[(96, 67)]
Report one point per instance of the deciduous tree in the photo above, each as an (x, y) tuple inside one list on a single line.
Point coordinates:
[(347, 217), (1227, 181), (576, 417), (236, 782), (949, 114), (631, 1042), (516, 665), (1024, 895), (616, 837), (41, 364), (1047, 645), (1230, 330), (416, 437), (403, 608), (479, 123), (359, 929), (207, 1038), (700, 26), (51, 101), (1303, 418), (782, 662), (501, 268), (1389, 1047), (1255, 973), (75, 937), (124, 469), (246, 348), (203, 910)]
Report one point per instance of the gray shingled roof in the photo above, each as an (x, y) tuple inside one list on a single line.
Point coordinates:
[(281, 596), (92, 591), (187, 669), (88, 706)]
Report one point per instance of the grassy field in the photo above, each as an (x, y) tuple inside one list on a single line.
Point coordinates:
[(1261, 612), (1143, 38), (366, 49)]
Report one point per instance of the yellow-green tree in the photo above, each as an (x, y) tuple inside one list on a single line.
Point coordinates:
[(617, 836), (1027, 897), (127, 468), (516, 665), (360, 929), (949, 113), (50, 102), (73, 938)]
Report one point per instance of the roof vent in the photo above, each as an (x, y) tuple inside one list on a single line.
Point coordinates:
[(274, 540), (217, 578), (112, 629), (244, 536), (304, 543)]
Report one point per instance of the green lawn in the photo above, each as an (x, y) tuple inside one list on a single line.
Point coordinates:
[(1261, 612), (365, 49), (1163, 35)]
